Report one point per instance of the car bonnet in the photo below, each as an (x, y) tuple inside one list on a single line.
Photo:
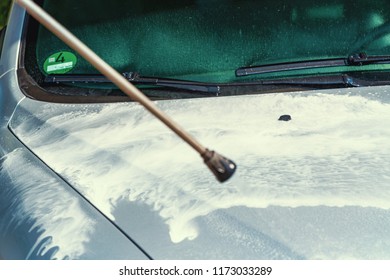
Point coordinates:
[(316, 186)]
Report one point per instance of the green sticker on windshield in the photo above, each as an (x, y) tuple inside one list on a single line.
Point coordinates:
[(60, 63)]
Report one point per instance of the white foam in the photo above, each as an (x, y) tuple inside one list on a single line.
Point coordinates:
[(37, 202), (334, 152)]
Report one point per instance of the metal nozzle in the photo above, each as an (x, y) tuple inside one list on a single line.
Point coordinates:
[(222, 167)]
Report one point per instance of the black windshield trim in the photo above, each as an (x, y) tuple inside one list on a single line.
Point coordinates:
[(135, 78)]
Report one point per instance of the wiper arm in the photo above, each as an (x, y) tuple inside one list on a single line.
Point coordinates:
[(235, 88), (135, 78), (353, 60)]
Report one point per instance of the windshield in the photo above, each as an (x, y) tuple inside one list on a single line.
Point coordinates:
[(208, 40)]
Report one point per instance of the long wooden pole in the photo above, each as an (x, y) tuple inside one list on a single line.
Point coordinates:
[(222, 168)]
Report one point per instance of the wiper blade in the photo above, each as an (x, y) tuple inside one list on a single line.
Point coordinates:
[(359, 59), (235, 88), (135, 78)]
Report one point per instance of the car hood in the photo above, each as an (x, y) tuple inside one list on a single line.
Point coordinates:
[(315, 187)]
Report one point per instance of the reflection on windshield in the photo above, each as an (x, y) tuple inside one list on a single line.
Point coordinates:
[(196, 38)]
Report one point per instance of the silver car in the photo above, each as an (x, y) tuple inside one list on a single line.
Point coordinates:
[(297, 93)]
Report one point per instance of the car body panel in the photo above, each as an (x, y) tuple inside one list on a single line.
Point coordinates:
[(302, 172), (10, 93), (43, 218)]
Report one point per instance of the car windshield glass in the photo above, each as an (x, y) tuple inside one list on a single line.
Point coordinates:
[(208, 40)]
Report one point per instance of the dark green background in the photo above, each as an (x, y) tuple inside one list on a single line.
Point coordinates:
[(207, 40), (4, 8)]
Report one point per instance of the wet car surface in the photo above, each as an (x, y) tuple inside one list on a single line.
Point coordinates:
[(87, 174)]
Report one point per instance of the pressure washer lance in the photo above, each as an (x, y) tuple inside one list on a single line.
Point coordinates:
[(222, 167)]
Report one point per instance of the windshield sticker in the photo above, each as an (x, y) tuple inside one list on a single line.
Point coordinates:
[(60, 63)]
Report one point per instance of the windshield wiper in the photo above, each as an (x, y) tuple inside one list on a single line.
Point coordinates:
[(135, 78), (236, 88), (359, 59)]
